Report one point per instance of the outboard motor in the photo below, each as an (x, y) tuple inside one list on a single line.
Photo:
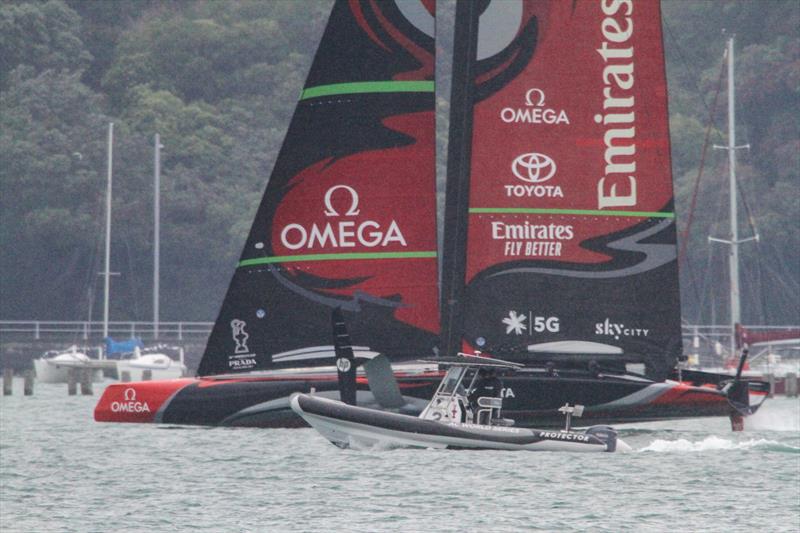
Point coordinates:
[(606, 434)]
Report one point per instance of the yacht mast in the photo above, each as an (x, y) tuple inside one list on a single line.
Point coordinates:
[(157, 231), (107, 270), (734, 242), (736, 314)]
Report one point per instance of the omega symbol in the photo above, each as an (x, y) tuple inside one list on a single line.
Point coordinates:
[(331, 212), (534, 97)]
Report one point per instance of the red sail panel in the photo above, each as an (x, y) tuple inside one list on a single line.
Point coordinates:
[(368, 217), (571, 230), (583, 127), (348, 219)]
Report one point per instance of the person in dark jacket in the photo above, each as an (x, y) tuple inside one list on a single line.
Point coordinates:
[(487, 385)]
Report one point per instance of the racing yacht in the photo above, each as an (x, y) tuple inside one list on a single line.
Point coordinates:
[(559, 243)]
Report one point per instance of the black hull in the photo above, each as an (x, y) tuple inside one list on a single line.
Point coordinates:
[(532, 400)]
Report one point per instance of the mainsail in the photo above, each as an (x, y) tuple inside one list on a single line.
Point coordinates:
[(348, 217), (560, 234)]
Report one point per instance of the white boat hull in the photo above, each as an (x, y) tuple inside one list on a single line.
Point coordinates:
[(49, 371), (351, 426), (136, 368)]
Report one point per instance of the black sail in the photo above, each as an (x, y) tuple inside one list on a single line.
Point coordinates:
[(348, 216)]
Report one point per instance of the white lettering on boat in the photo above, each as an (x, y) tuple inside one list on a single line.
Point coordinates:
[(534, 112), (501, 429), (129, 403), (619, 330), (531, 240), (559, 435), (617, 188), (343, 233)]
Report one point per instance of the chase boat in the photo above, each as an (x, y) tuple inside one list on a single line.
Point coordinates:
[(450, 420)]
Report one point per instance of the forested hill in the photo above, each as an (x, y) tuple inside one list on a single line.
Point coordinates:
[(219, 80)]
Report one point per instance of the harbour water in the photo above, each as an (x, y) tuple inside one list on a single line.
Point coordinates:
[(61, 471)]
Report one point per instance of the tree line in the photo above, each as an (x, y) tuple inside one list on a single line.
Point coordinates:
[(219, 81)]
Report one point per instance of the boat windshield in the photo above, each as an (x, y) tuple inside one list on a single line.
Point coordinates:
[(451, 380)]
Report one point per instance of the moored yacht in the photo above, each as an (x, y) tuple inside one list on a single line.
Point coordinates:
[(54, 366)]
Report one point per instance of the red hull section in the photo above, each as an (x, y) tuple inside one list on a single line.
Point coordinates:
[(136, 402)]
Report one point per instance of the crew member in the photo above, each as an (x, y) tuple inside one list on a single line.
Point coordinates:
[(488, 385)]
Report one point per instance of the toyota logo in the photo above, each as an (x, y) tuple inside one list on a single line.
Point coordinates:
[(533, 167)]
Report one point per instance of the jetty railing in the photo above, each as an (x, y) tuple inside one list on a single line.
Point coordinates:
[(182, 330), (85, 330)]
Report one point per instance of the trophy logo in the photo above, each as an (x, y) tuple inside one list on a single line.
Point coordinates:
[(239, 335)]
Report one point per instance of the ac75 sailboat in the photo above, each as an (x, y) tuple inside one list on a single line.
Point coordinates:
[(559, 234)]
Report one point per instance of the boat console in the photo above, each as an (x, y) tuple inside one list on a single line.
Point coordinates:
[(450, 402)]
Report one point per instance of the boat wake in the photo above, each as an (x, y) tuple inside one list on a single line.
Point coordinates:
[(713, 443), (774, 421)]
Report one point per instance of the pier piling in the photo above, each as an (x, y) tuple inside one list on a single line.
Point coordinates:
[(790, 388), (771, 381), (72, 381), (86, 381), (28, 387), (8, 381)]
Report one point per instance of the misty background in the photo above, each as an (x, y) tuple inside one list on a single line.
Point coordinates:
[(219, 81)]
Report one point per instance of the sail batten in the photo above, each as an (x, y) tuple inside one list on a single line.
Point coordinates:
[(337, 257), (587, 212), (391, 86)]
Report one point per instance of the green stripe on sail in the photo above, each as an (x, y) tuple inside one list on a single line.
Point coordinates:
[(336, 257), (368, 87), (582, 212)]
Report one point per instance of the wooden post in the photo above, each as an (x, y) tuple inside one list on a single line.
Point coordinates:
[(771, 380), (791, 385), (72, 381), (86, 381), (28, 388), (125, 376), (8, 381), (147, 375)]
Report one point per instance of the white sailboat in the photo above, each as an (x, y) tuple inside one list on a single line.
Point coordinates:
[(153, 362), (53, 367), (764, 346), (160, 365)]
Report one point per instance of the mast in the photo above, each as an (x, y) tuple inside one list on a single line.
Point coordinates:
[(458, 164), (733, 258), (107, 270), (734, 217), (157, 231)]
